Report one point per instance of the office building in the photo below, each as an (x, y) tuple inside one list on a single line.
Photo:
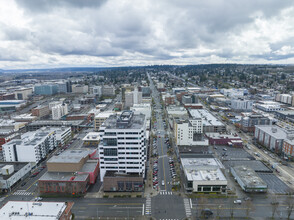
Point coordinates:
[(96, 90), (129, 99), (78, 88), (146, 91), (23, 93), (248, 121), (32, 147), (100, 118), (108, 91), (46, 89), (122, 147), (11, 105), (41, 111), (269, 106), (241, 105), (186, 99)]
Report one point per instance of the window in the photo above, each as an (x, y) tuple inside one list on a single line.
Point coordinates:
[(110, 133), (109, 141), (110, 159), (110, 152)]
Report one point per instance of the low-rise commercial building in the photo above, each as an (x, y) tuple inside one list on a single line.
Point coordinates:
[(224, 139), (11, 105), (12, 173), (248, 180), (71, 172), (285, 114), (100, 118), (203, 174), (14, 210)]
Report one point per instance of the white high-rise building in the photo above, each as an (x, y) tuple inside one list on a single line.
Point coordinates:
[(123, 144), (59, 110), (137, 96), (241, 105), (32, 147)]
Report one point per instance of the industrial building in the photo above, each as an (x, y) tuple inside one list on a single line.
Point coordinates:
[(14, 210), (122, 147), (248, 180), (203, 174)]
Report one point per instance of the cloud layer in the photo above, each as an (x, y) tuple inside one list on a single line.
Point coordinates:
[(59, 33)]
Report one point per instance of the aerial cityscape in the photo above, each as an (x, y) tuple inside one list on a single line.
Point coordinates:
[(158, 110)]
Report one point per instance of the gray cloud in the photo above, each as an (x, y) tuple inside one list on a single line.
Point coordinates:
[(112, 32)]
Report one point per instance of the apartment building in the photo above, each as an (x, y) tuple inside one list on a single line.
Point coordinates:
[(59, 110), (122, 147), (32, 147), (41, 111)]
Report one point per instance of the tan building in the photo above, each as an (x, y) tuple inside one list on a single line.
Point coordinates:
[(100, 118), (41, 111)]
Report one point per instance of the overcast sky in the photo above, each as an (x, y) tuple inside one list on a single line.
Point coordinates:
[(62, 33)]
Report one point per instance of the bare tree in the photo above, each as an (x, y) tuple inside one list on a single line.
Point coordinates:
[(218, 208), (290, 204), (232, 208), (274, 204), (202, 204), (248, 207)]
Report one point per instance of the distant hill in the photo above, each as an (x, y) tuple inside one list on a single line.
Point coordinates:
[(66, 69)]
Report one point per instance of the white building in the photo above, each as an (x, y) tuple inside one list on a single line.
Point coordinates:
[(54, 103), (123, 144), (160, 85), (129, 99), (189, 132), (204, 175), (77, 88), (234, 93), (137, 96), (23, 93), (32, 147), (59, 110), (12, 172), (100, 118), (241, 105), (63, 135), (269, 106), (16, 210), (144, 108), (96, 90)]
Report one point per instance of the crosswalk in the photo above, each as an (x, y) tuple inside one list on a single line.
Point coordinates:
[(148, 206), (163, 192), (187, 207), (22, 193), (168, 219)]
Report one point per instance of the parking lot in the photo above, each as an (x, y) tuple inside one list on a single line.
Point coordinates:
[(232, 153), (275, 185)]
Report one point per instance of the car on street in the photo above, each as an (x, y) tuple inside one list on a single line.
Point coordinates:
[(162, 182), (206, 213), (238, 201), (38, 199), (24, 183)]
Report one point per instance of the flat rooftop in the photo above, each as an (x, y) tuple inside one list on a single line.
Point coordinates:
[(92, 136), (17, 166), (125, 121), (52, 123), (203, 169), (70, 156), (63, 176), (249, 177), (207, 118), (273, 131), (222, 136), (18, 210)]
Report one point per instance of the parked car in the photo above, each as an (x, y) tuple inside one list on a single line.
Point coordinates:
[(38, 199)]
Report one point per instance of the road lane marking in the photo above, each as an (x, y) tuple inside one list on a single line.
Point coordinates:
[(119, 204), (143, 209)]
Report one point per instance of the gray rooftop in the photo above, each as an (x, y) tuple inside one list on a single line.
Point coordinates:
[(207, 118), (273, 131), (249, 177), (70, 156), (127, 120), (62, 176), (17, 167)]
